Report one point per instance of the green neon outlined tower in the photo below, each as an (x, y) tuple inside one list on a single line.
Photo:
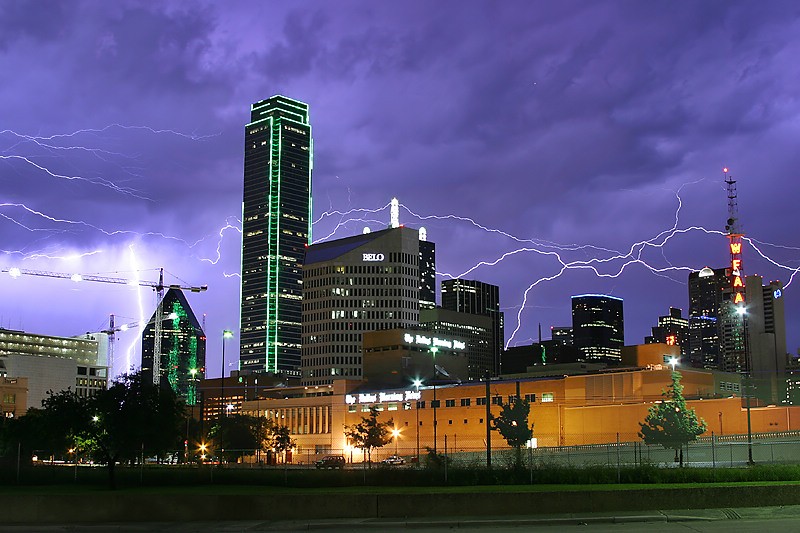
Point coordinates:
[(276, 228)]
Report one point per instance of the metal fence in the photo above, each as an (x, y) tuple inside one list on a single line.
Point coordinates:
[(714, 451)]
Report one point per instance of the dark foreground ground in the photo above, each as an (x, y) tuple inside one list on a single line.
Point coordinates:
[(741, 520), (254, 508)]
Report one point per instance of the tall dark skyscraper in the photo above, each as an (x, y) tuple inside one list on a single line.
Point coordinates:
[(183, 347), (598, 327), (706, 290), (276, 228), (479, 298), (427, 271)]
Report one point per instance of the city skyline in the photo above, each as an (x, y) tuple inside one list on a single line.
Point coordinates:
[(549, 125)]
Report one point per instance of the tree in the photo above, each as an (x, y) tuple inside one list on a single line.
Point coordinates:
[(369, 433), (131, 416), (281, 440), (512, 424), (115, 425), (670, 423), (49, 431), (241, 433)]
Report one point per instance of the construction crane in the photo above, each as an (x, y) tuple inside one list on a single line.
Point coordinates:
[(111, 331), (157, 286)]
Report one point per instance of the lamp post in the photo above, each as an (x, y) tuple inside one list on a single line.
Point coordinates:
[(435, 403), (743, 312), (395, 434), (417, 383), (226, 334), (193, 377)]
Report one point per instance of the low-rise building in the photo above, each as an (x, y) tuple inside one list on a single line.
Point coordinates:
[(595, 408)]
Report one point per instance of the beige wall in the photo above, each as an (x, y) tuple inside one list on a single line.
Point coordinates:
[(577, 415)]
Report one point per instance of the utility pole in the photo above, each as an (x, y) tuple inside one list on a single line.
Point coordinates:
[(488, 422)]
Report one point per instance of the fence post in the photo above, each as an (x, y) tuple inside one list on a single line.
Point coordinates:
[(618, 474), (530, 460), (445, 458), (713, 451)]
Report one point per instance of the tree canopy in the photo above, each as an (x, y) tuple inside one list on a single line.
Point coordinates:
[(670, 422), (369, 433), (115, 425), (512, 424)]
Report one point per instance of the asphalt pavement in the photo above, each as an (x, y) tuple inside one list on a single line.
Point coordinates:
[(755, 519)]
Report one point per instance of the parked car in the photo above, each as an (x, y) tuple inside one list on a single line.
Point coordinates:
[(394, 460), (331, 461)]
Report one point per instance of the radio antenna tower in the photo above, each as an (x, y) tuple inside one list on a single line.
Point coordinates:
[(732, 226)]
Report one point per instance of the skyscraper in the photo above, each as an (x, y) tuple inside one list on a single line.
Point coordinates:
[(706, 289), (183, 347), (766, 338), (672, 330), (363, 283), (479, 298), (427, 271), (598, 328), (276, 228)]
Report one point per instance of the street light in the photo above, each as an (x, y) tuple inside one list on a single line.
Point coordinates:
[(395, 434), (417, 384), (435, 402), (741, 310), (673, 361), (226, 334)]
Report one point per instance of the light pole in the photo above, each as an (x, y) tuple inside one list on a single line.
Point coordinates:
[(192, 386), (743, 312), (435, 403), (417, 383), (226, 334), (395, 434)]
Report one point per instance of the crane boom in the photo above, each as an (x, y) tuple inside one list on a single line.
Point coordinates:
[(157, 286)]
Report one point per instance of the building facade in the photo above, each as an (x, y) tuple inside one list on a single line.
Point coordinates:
[(182, 360), (13, 397), (51, 363), (594, 408), (395, 358), (276, 228), (672, 329), (598, 328), (362, 283), (427, 271), (766, 338), (478, 298), (706, 289), (477, 330)]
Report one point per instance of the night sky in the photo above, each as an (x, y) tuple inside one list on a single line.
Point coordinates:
[(561, 129)]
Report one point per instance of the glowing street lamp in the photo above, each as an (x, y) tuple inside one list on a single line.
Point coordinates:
[(226, 334), (395, 434), (673, 361)]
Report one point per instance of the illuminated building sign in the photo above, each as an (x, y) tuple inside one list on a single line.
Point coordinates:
[(433, 342), (736, 269), (373, 257), (777, 294), (380, 397), (672, 340)]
